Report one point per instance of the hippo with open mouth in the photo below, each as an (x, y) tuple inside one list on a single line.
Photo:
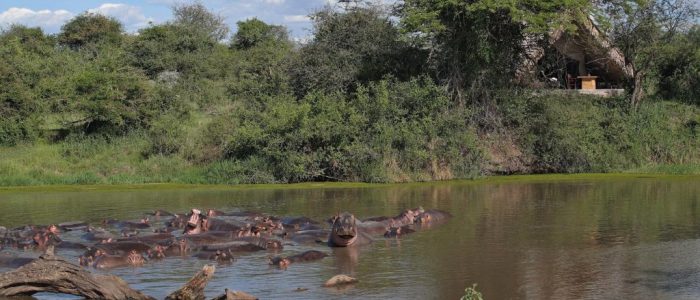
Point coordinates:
[(344, 232), (196, 222)]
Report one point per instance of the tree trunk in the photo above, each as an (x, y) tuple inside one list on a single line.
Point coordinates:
[(194, 289), (53, 274), (638, 91)]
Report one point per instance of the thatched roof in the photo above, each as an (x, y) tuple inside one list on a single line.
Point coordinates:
[(588, 44)]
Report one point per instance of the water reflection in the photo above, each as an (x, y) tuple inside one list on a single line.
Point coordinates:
[(618, 239)]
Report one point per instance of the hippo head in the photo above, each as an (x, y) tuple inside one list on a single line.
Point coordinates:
[(195, 218), (344, 229), (135, 258), (53, 229), (282, 262), (424, 218), (224, 256), (157, 252), (195, 222), (274, 244)]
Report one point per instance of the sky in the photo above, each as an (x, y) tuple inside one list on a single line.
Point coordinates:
[(134, 15)]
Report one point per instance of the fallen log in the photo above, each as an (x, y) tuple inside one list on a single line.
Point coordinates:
[(52, 274), (194, 289)]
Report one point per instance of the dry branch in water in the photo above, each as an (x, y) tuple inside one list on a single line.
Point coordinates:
[(52, 274), (194, 289)]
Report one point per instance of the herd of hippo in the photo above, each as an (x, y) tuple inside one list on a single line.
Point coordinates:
[(214, 235)]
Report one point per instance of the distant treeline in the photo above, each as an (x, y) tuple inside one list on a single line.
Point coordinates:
[(421, 91)]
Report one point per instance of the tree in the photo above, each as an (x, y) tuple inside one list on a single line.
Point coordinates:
[(170, 47), (642, 29), (90, 28), (24, 66), (254, 32), (262, 53), (476, 45), (349, 47), (197, 17)]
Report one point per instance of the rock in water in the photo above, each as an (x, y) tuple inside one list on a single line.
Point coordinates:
[(235, 295), (339, 280)]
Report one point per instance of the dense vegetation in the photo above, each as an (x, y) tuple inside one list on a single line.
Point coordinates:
[(422, 92)]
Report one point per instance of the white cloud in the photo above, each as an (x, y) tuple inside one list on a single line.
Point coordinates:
[(275, 2), (131, 16), (296, 18), (47, 19)]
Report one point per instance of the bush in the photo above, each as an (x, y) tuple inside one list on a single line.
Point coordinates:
[(471, 293)]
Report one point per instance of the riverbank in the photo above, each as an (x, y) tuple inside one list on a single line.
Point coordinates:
[(534, 178), (533, 136)]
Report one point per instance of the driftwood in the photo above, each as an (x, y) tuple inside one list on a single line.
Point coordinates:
[(53, 274), (194, 289)]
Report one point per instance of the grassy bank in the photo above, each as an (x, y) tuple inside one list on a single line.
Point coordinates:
[(536, 135), (533, 178)]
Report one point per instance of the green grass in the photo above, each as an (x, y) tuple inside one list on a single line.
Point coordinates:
[(678, 169)]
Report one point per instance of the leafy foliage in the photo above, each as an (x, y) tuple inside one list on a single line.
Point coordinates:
[(419, 93), (90, 28)]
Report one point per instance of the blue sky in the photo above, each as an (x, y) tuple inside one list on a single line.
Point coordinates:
[(51, 14)]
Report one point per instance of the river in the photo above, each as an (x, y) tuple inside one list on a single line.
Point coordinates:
[(613, 237)]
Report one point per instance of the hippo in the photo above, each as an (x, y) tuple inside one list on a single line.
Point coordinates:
[(215, 213), (128, 232), (377, 219), (45, 237), (372, 227), (307, 256), (268, 244), (406, 217), (344, 232), (235, 246), (13, 261), (177, 248), (71, 245), (227, 224), (210, 237), (196, 222), (220, 256), (296, 221), (141, 224), (97, 234), (310, 236), (158, 213), (398, 231), (158, 238), (105, 261), (71, 226), (432, 216), (123, 247)]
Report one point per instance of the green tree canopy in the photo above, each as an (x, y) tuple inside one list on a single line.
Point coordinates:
[(198, 18), (348, 47), (90, 28), (254, 32)]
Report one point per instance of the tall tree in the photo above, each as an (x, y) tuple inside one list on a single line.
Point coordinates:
[(196, 16), (353, 46), (642, 29), (476, 43), (254, 32), (90, 28)]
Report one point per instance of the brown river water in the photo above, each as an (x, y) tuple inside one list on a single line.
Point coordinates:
[(610, 238)]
